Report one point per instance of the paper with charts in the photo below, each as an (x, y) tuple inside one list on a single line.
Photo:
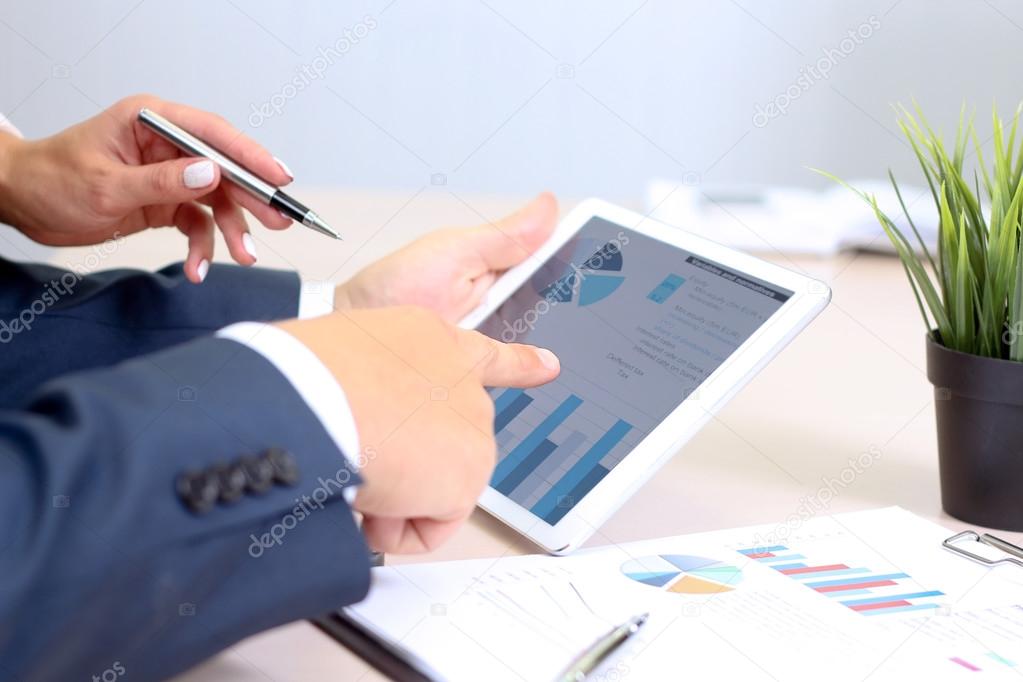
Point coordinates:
[(865, 595)]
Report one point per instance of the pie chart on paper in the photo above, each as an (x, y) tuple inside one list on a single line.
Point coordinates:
[(683, 574)]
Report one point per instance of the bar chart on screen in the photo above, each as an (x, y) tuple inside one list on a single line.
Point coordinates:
[(555, 446)]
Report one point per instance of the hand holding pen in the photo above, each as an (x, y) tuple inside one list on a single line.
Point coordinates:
[(112, 176)]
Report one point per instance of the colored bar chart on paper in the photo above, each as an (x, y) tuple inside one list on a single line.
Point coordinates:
[(554, 448), (988, 661), (876, 592)]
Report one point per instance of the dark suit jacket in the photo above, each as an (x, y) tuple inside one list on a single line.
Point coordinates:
[(163, 493)]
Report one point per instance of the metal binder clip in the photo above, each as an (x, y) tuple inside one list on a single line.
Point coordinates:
[(1016, 553)]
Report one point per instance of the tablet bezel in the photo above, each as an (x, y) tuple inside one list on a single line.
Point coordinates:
[(809, 297)]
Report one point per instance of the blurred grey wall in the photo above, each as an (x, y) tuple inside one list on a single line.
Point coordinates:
[(506, 96)]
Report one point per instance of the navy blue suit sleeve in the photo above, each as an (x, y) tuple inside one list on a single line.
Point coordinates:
[(54, 321), (101, 562)]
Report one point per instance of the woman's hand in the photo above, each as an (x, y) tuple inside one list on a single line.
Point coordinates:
[(449, 271), (111, 176)]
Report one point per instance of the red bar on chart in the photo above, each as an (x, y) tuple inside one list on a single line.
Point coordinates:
[(965, 664), (812, 569), (880, 605), (855, 586)]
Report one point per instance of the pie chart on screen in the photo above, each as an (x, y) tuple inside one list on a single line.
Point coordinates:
[(595, 275), (683, 574)]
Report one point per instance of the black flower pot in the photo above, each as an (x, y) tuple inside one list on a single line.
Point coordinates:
[(978, 405)]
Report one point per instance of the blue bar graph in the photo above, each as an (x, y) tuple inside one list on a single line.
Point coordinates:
[(531, 441), (595, 476), (857, 580), (893, 597), (764, 550), (666, 288), (528, 466), (781, 559), (589, 461), (899, 609), (831, 574), (506, 398), (513, 409)]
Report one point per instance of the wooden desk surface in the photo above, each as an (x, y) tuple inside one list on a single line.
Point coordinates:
[(854, 381)]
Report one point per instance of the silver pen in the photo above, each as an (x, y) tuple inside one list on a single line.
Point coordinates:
[(588, 661), (233, 171)]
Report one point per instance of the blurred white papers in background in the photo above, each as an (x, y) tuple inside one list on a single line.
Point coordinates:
[(790, 220)]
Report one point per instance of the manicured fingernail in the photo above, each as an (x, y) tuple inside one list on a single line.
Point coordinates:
[(549, 359), (284, 215), (284, 167), (250, 245), (198, 174), (203, 269)]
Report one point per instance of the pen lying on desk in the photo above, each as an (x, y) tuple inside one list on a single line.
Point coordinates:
[(588, 661), (233, 171)]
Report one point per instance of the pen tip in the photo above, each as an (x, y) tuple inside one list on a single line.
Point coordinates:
[(320, 225)]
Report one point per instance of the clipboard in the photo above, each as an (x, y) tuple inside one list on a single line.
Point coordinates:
[(955, 544), (386, 657)]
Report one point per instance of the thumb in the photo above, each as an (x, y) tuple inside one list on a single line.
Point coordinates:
[(168, 182), (513, 238)]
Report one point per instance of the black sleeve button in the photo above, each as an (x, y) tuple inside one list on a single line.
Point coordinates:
[(285, 467), (232, 482), (198, 491), (259, 474)]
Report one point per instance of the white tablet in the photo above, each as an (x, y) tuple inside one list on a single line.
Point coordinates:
[(655, 328)]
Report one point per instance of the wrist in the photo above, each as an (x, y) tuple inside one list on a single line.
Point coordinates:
[(342, 297), (10, 149)]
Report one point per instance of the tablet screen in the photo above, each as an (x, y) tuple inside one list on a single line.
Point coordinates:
[(638, 324)]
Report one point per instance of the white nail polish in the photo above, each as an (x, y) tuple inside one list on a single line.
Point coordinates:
[(198, 174), (203, 269), (250, 245), (284, 167)]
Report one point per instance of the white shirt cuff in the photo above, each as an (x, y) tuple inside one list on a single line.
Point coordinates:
[(315, 299), (7, 127), (310, 378)]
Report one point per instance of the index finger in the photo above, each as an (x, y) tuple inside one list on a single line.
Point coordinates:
[(218, 132), (514, 365)]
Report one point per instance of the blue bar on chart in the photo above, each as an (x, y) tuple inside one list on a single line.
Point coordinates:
[(528, 466), (581, 478), (893, 597), (510, 411), (528, 444), (764, 552), (781, 559), (506, 398), (836, 573), (858, 581), (591, 479), (666, 288)]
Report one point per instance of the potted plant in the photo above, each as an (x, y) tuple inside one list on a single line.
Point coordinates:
[(970, 294)]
